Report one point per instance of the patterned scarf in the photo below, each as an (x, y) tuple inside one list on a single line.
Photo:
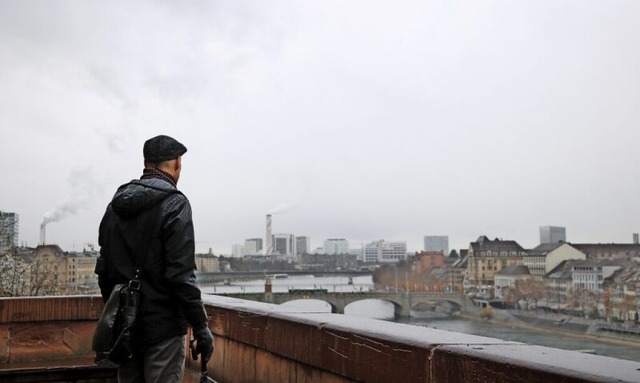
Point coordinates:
[(157, 173)]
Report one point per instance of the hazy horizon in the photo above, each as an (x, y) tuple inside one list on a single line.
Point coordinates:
[(365, 119)]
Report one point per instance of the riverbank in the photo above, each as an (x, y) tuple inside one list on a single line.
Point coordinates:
[(504, 318)]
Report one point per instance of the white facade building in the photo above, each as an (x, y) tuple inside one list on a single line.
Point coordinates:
[(545, 257), (334, 246), (589, 274), (252, 246), (382, 251)]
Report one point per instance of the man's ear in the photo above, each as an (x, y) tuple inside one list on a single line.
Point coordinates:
[(178, 164)]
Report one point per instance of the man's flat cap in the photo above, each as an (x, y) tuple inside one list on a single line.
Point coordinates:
[(162, 148)]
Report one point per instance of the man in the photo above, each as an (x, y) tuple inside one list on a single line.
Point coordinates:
[(152, 215)]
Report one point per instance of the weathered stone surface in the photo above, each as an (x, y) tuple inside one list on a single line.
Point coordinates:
[(37, 341), (267, 343), (4, 343), (526, 364), (78, 337), (35, 309)]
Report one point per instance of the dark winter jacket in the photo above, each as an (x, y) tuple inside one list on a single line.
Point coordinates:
[(170, 297)]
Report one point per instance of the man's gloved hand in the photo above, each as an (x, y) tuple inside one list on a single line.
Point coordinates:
[(204, 343)]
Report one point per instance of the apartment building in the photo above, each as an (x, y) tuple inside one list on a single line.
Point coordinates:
[(620, 298), (487, 257), (428, 260), (207, 263), (590, 274), (545, 257)]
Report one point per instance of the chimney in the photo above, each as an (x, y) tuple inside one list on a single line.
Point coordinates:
[(269, 244), (43, 233), (635, 239)]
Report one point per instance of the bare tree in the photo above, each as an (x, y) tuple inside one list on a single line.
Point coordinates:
[(24, 276), (529, 290), (13, 273), (43, 280)]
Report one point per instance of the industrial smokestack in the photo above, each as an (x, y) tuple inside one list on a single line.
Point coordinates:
[(43, 233), (269, 243), (636, 238)]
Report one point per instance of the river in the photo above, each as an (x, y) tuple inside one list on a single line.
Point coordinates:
[(384, 310)]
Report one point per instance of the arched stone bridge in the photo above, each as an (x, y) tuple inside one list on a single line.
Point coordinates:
[(402, 302)]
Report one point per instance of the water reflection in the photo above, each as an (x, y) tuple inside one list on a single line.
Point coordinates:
[(371, 308), (310, 305)]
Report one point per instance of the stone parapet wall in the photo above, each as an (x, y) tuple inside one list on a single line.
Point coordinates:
[(36, 329), (260, 342), (268, 343)]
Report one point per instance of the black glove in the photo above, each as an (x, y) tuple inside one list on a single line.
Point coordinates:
[(204, 343)]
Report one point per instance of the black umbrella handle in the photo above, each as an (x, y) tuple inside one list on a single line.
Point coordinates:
[(204, 376)]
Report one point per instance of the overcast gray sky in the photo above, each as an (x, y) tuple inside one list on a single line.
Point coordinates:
[(369, 119)]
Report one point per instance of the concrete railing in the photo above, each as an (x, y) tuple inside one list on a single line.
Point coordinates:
[(259, 342)]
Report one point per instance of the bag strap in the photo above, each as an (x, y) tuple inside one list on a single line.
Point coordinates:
[(144, 241)]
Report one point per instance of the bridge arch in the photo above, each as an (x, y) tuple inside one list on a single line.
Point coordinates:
[(402, 302), (311, 301), (387, 307)]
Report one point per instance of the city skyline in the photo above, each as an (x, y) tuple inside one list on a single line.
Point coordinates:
[(359, 121)]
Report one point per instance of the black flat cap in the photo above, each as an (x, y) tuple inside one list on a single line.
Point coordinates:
[(162, 148)]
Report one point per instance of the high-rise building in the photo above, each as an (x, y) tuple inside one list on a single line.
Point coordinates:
[(303, 245), (9, 230), (252, 246), (382, 251), (336, 246), (437, 243), (284, 244), (552, 234), (237, 250)]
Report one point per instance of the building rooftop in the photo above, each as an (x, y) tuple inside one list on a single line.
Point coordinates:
[(610, 250), (514, 270), (485, 244), (544, 249)]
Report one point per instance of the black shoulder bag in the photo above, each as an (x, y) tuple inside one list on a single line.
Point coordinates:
[(113, 338)]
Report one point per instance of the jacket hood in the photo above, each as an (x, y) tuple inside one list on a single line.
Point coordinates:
[(138, 196)]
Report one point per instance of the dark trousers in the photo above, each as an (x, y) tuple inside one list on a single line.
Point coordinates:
[(162, 362)]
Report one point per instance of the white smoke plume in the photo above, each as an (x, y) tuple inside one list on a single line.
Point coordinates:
[(83, 188), (283, 208)]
